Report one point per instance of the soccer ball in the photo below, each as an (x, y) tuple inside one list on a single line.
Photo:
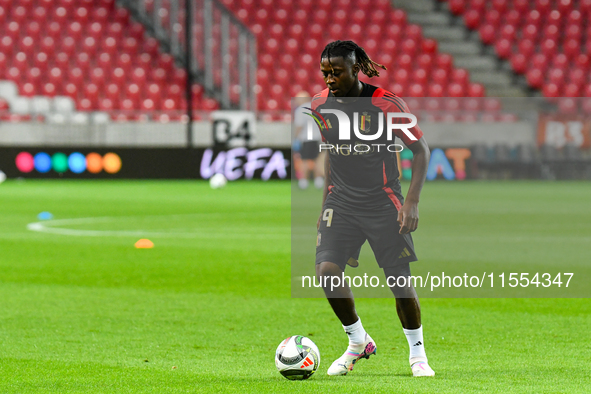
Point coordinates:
[(217, 181), (297, 358), (2, 176)]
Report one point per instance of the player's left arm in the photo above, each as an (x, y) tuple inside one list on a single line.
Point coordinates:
[(408, 216)]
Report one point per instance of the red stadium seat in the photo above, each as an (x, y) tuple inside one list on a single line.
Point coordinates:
[(83, 61), (457, 7), (491, 105), (519, 63), (139, 76), (27, 45), (554, 17), (487, 33), (409, 46), (513, 18), (28, 89), (68, 46), (81, 14), (522, 6), (549, 47), (34, 76), (54, 30), (509, 32), (106, 104), (405, 61), (33, 30), (526, 47), (472, 19), (425, 61), (556, 75), (551, 32), (577, 76), (13, 30), (456, 90), (100, 14), (60, 15), (19, 14), (136, 30), (416, 90), (472, 104), (575, 17), (582, 61), (6, 45), (429, 46), (572, 90), (535, 77), (544, 6), (113, 93), (572, 48), (121, 15), (98, 76), (534, 17), (444, 61), (503, 48), (419, 75), (76, 76), (14, 74), (493, 18), (3, 15), (398, 17), (20, 61), (440, 76), (49, 89), (3, 63), (478, 5), (551, 90)]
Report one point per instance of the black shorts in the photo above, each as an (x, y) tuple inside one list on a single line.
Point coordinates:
[(310, 150), (342, 232)]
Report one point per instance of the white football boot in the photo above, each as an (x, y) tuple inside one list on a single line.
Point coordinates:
[(420, 367), (347, 361)]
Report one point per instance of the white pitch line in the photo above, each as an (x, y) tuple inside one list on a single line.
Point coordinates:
[(50, 227)]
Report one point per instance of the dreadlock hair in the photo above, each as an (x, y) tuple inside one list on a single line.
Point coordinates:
[(346, 49)]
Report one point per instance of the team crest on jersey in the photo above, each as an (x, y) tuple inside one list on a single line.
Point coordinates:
[(365, 123)]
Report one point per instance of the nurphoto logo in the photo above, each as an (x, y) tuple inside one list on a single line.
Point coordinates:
[(361, 129)]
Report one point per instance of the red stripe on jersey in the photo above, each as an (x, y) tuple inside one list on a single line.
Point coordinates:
[(393, 197), (319, 99), (389, 102), (384, 169)]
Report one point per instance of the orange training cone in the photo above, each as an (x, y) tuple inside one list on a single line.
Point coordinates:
[(144, 244)]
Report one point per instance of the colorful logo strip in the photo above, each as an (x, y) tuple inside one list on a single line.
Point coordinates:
[(76, 162)]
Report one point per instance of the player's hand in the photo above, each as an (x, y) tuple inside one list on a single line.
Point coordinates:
[(408, 217)]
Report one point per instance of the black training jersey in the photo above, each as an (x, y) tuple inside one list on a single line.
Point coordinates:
[(363, 173)]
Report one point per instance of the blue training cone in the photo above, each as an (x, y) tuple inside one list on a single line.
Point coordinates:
[(45, 216)]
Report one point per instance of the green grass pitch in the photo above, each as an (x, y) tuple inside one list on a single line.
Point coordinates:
[(83, 311)]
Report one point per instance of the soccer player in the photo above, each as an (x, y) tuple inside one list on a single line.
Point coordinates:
[(363, 201)]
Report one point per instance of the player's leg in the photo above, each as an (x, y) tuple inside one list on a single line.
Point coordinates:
[(409, 313), (393, 253), (341, 299), (338, 239), (319, 170)]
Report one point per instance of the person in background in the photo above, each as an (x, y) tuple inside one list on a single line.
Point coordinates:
[(312, 159)]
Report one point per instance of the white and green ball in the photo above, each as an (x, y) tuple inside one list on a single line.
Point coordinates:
[(297, 357)]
